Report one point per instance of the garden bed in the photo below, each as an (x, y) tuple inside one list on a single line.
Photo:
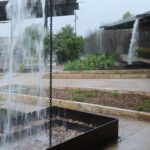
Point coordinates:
[(114, 99), (126, 100)]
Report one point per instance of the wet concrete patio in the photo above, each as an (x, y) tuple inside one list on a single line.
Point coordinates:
[(134, 135)]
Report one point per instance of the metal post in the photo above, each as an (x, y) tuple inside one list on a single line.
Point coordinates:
[(50, 72), (46, 14), (76, 18)]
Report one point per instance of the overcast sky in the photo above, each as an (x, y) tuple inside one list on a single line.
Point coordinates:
[(94, 13)]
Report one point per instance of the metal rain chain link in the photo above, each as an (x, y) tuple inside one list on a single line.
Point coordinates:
[(50, 72)]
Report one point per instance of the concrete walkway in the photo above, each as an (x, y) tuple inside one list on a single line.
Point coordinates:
[(109, 84), (134, 135), (142, 85)]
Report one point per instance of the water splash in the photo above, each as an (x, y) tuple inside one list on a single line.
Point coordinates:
[(27, 45), (134, 42)]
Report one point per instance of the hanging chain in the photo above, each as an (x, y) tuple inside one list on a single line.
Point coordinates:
[(50, 72)]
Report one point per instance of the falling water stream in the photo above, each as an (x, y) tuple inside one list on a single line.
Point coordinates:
[(26, 52), (134, 42), (27, 44)]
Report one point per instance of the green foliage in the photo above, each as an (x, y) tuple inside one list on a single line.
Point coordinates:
[(46, 41), (79, 98), (92, 62), (67, 44), (81, 95), (77, 91), (90, 94), (30, 38), (46, 45), (127, 15), (115, 94), (145, 106), (21, 67)]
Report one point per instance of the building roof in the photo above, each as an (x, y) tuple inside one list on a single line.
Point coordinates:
[(127, 23), (146, 14), (61, 8)]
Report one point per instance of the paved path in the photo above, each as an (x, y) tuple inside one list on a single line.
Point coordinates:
[(134, 135), (109, 84), (142, 85)]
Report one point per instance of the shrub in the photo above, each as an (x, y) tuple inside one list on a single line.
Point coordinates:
[(92, 62), (68, 45)]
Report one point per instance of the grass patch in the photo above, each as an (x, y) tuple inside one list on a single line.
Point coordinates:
[(77, 91), (79, 98), (81, 95), (90, 94), (92, 62), (115, 94), (145, 106)]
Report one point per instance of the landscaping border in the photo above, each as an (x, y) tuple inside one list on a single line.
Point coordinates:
[(81, 106)]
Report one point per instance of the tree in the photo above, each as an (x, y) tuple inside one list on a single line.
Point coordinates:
[(127, 15), (67, 44), (30, 39)]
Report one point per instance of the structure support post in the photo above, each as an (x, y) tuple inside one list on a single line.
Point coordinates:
[(50, 71)]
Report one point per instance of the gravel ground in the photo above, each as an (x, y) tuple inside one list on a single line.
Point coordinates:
[(40, 140)]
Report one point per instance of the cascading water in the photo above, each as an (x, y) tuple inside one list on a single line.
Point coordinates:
[(27, 44), (134, 42)]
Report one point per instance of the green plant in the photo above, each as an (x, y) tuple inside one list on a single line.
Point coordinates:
[(81, 95), (90, 93), (79, 98), (92, 62), (115, 94), (77, 91), (145, 106), (31, 36), (67, 44), (21, 67), (127, 15)]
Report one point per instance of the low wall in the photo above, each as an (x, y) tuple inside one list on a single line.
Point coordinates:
[(80, 106), (104, 74)]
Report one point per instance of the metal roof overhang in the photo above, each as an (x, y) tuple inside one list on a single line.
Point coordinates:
[(60, 8), (128, 23)]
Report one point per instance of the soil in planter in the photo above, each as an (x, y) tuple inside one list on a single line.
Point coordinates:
[(113, 99)]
